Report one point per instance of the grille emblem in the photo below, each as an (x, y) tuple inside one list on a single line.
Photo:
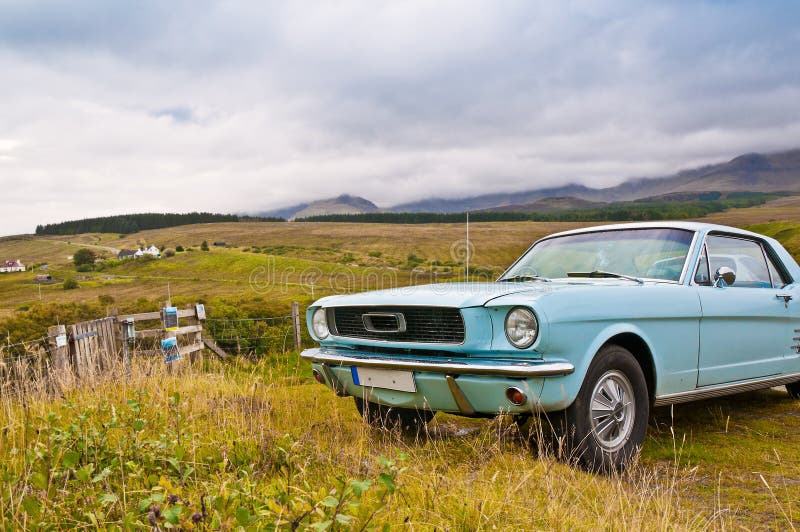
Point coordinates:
[(384, 322)]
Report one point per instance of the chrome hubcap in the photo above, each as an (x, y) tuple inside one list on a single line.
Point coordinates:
[(613, 410)]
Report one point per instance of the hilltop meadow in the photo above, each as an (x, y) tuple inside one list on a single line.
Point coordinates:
[(254, 443)]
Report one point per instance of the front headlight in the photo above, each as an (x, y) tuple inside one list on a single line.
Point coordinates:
[(319, 322), (522, 327)]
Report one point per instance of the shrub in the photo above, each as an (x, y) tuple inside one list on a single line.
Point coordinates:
[(179, 249), (375, 254), (105, 299), (204, 246), (71, 284), (413, 261), (83, 257), (84, 268), (168, 252)]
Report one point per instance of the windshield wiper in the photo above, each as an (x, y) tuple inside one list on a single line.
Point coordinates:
[(599, 274), (522, 278)]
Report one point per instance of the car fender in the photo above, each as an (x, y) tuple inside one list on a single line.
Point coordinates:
[(561, 392), (617, 329)]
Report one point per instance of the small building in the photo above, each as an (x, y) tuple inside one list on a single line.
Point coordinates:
[(45, 278), (9, 266), (126, 254), (220, 244), (152, 251)]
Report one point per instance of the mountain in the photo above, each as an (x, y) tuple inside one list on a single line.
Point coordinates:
[(555, 203), (344, 204), (489, 201), (753, 172)]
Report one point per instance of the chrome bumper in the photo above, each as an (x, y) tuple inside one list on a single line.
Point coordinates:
[(521, 370)]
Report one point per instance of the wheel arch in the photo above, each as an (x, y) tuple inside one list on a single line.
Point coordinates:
[(641, 351)]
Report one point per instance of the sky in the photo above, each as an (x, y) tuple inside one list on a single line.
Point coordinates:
[(140, 106)]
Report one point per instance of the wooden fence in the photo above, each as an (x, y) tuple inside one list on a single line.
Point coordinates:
[(83, 351)]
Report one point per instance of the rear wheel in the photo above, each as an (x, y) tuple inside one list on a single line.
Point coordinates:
[(794, 390), (605, 426), (407, 420)]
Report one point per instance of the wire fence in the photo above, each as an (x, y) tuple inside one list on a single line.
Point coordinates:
[(252, 336)]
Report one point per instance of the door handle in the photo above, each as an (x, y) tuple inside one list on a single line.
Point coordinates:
[(786, 298)]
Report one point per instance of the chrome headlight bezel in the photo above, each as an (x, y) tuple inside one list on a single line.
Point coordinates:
[(319, 324), (527, 339)]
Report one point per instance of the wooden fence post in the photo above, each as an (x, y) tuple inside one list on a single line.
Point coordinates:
[(59, 350), (296, 325)]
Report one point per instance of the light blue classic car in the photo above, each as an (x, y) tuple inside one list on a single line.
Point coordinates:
[(593, 327)]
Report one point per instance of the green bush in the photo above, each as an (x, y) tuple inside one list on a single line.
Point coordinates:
[(179, 249), (84, 256), (204, 246), (71, 284)]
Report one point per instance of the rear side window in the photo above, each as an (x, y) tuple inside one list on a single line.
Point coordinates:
[(778, 279), (745, 257)]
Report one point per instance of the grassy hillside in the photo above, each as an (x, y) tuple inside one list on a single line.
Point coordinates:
[(323, 251)]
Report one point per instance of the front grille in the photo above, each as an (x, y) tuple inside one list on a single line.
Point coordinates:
[(434, 325)]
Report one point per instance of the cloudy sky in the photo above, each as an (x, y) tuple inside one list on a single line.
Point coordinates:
[(114, 107)]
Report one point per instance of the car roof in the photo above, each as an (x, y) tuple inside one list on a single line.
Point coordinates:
[(688, 226)]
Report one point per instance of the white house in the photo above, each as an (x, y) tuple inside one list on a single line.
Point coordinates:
[(12, 266), (152, 250)]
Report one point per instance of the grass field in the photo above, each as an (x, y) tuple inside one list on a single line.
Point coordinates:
[(258, 442), (260, 445)]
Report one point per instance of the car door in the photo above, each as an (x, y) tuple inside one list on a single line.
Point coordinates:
[(746, 328)]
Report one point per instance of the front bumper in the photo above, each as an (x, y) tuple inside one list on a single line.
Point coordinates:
[(462, 386)]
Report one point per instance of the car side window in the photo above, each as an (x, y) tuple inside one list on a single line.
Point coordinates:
[(778, 280), (702, 276), (744, 257)]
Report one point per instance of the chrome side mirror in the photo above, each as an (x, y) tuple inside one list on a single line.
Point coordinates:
[(724, 275)]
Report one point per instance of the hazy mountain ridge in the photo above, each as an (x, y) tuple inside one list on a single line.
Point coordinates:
[(752, 172), (344, 204)]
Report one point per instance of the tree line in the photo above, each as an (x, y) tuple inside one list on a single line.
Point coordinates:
[(132, 223)]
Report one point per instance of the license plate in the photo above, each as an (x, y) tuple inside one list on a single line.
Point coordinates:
[(388, 379)]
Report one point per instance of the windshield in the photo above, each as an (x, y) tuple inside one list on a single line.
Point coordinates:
[(647, 253)]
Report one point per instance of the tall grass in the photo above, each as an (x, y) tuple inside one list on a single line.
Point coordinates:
[(257, 445)]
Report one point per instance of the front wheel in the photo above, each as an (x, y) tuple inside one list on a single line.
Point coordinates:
[(605, 426), (794, 390), (408, 420)]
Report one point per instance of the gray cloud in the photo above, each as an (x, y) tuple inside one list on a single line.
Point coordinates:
[(135, 106)]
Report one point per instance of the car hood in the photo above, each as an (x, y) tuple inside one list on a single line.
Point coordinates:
[(459, 295)]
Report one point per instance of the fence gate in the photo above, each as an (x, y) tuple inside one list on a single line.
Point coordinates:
[(93, 346)]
